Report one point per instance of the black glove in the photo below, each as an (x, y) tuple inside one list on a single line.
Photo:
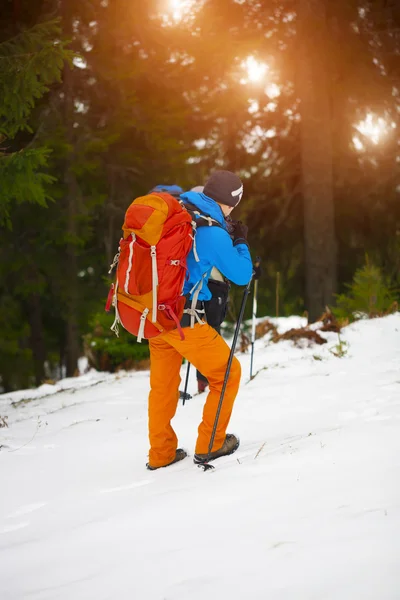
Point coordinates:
[(230, 225), (240, 234), (257, 268)]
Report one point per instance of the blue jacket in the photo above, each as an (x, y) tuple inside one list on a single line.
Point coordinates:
[(215, 249)]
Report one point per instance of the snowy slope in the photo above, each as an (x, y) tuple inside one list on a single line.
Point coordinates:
[(307, 509)]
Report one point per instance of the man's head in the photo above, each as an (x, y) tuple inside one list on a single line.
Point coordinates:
[(226, 189)]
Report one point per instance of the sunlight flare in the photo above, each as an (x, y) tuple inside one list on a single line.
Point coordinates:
[(273, 91), (179, 9), (255, 70), (373, 128)]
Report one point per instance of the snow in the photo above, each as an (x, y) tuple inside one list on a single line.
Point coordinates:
[(307, 509)]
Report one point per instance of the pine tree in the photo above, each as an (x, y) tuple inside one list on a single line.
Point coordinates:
[(369, 295), (30, 63)]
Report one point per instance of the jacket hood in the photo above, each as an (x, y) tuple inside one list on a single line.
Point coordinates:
[(207, 206)]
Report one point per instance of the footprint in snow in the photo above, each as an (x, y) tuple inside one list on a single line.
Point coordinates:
[(15, 527), (24, 510), (129, 486)]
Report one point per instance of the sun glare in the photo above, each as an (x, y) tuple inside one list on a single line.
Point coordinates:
[(273, 91), (358, 143), (373, 128), (178, 9), (255, 70)]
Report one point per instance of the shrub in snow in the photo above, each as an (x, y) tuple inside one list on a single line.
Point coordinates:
[(340, 349), (369, 295), (106, 352)]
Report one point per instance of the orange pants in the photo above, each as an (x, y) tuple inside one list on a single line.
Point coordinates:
[(209, 353)]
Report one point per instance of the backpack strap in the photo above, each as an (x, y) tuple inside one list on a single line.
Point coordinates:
[(143, 318), (154, 278), (173, 316), (193, 311), (199, 219), (115, 261), (115, 326), (129, 269)]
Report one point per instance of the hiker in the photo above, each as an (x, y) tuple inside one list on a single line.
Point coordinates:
[(216, 307), (202, 345)]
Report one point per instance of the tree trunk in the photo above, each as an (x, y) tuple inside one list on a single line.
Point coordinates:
[(71, 196), (37, 343), (316, 155), (71, 270)]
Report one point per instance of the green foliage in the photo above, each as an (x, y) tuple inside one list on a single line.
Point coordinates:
[(106, 352), (369, 295), (21, 180), (340, 349), (163, 104), (29, 63), (16, 365)]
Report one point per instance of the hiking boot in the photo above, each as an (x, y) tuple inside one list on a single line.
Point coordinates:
[(230, 445), (179, 455), (201, 386)]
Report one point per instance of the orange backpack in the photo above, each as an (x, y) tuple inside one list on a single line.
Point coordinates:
[(151, 266)]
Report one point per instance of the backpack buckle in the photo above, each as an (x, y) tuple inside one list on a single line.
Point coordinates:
[(143, 318)]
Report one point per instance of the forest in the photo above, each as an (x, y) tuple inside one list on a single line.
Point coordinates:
[(101, 100)]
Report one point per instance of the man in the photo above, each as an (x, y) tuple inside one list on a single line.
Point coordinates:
[(202, 345), (216, 307)]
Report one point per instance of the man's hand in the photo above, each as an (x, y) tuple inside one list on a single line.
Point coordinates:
[(230, 225), (257, 268), (240, 233)]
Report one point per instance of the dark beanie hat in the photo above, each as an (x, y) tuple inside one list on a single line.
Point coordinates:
[(224, 187)]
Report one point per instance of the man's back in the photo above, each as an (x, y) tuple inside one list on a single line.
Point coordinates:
[(214, 248)]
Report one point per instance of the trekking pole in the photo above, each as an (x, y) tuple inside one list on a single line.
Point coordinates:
[(185, 395), (253, 325), (228, 368)]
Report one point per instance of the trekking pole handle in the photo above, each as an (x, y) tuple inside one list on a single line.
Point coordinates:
[(256, 275), (257, 268)]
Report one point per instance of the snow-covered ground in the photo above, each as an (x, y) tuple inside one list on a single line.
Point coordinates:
[(307, 509)]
